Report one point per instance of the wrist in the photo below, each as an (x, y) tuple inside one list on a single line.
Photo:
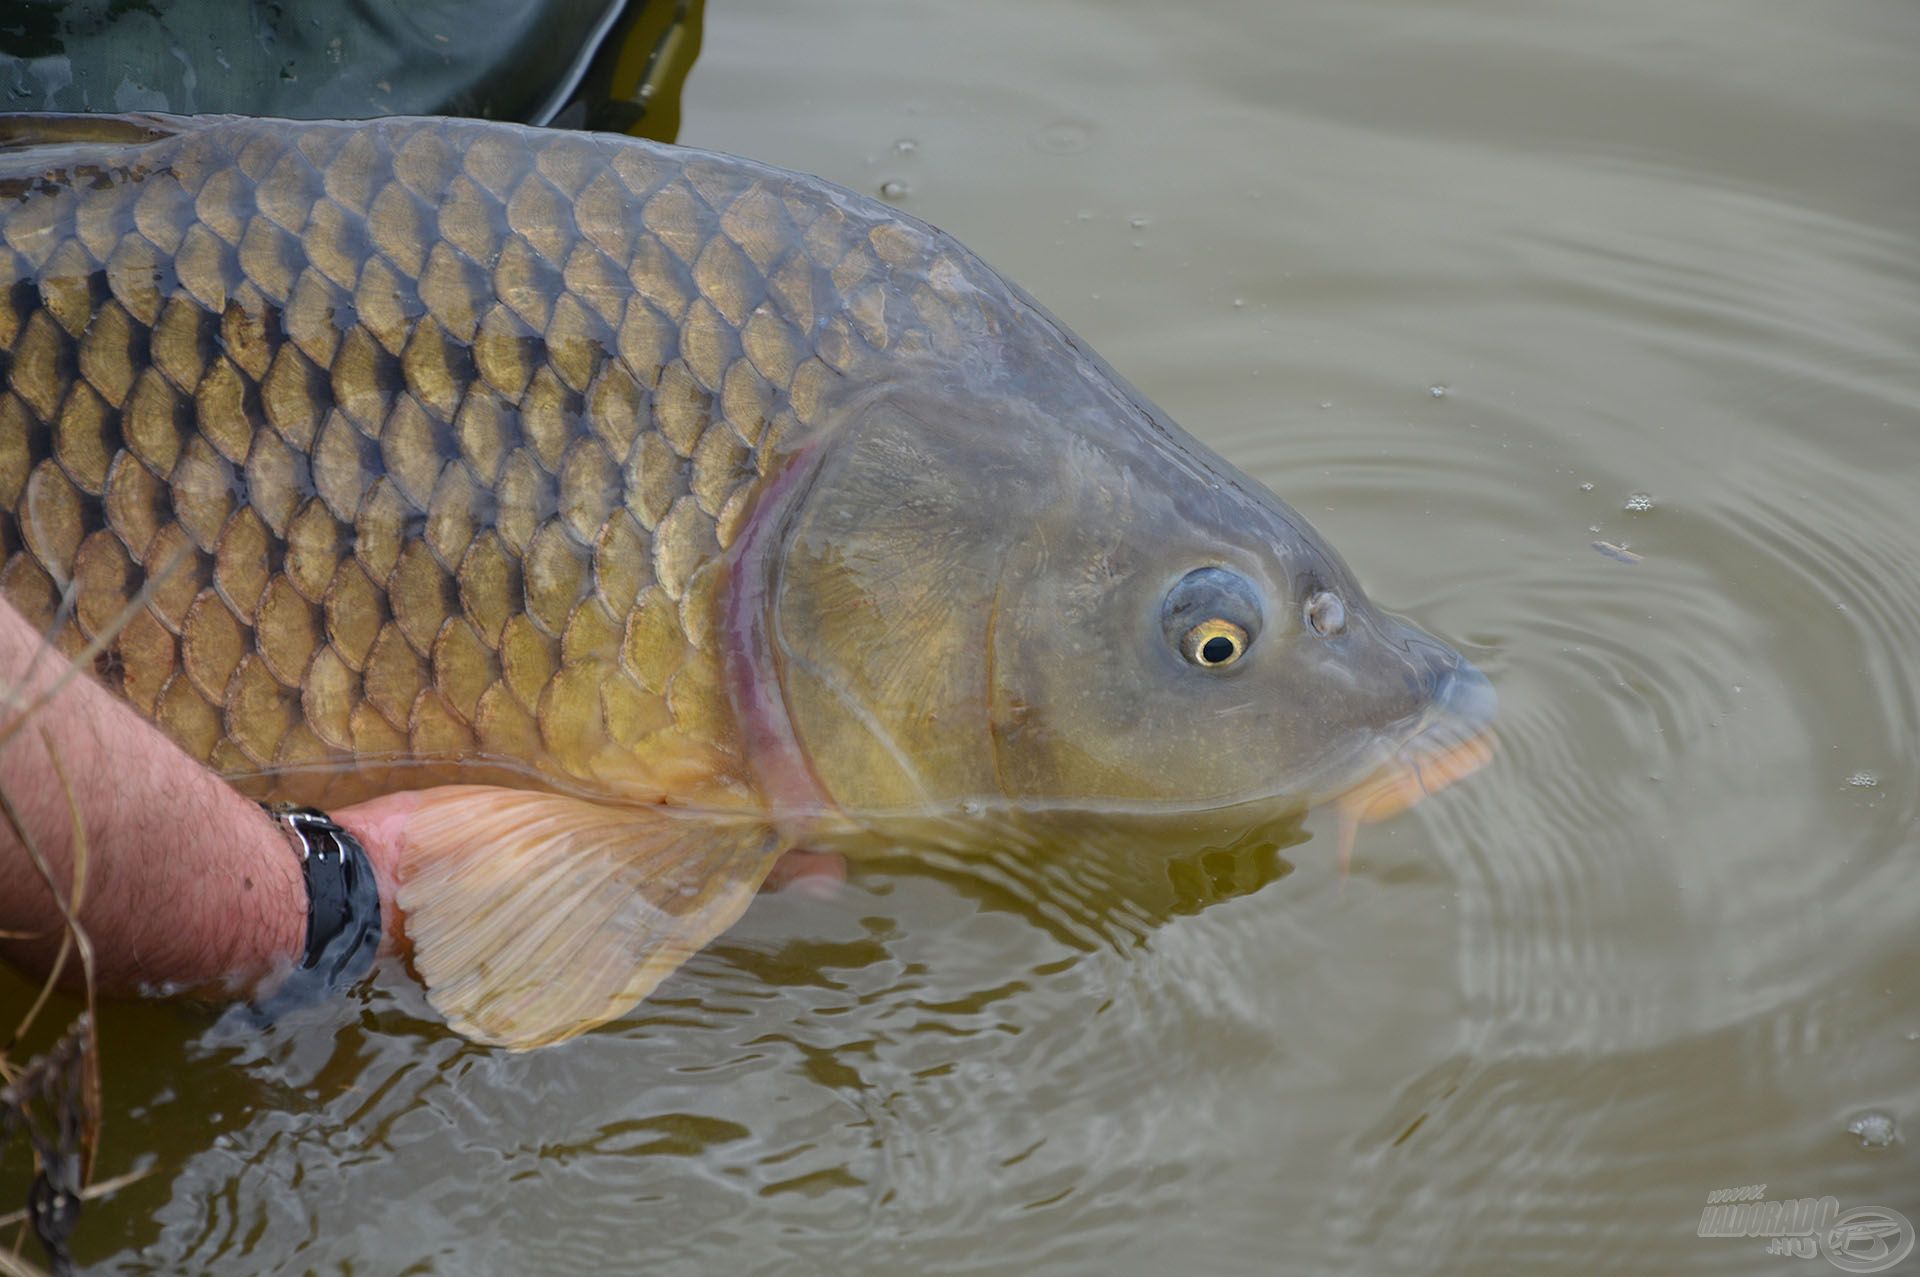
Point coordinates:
[(343, 911)]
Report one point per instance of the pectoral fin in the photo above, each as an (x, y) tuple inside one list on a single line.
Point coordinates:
[(534, 917)]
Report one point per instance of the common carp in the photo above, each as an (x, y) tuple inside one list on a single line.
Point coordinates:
[(696, 510)]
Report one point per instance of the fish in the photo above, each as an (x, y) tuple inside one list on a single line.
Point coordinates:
[(654, 513)]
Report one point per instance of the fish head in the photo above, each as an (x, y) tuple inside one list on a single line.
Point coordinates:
[(989, 603)]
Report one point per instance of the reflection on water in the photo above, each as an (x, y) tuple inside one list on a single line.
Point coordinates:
[(1662, 944)]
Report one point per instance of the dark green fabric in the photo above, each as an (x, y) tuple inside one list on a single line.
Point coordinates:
[(312, 59)]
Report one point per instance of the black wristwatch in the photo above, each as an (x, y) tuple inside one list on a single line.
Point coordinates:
[(343, 911)]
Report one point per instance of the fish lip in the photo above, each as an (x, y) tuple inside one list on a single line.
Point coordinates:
[(1460, 711), (1448, 740)]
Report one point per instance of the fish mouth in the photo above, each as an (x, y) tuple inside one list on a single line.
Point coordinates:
[(1453, 739)]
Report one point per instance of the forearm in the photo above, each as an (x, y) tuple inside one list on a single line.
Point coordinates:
[(188, 884)]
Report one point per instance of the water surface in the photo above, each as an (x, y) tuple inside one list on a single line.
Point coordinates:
[(1460, 282)]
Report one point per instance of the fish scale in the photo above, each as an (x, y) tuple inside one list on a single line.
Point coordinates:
[(428, 437), (746, 514)]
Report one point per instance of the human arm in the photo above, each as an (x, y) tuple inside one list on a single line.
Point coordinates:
[(189, 886)]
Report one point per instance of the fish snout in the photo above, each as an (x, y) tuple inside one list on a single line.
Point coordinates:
[(1455, 736), (1463, 700), (1450, 738), (1458, 702)]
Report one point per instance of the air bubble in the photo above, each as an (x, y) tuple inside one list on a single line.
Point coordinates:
[(1640, 502), (1875, 1129), (1437, 391), (905, 146), (1140, 221), (1863, 780), (1586, 487), (895, 190)]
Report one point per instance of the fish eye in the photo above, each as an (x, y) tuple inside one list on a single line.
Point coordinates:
[(1213, 643), (1325, 614), (1211, 617)]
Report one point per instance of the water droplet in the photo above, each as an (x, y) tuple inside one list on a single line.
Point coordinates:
[(1139, 221), (1875, 1129), (1437, 391), (1586, 487), (1863, 780), (1640, 502), (905, 146), (895, 190)]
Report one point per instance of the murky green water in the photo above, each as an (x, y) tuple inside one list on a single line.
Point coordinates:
[(1667, 943)]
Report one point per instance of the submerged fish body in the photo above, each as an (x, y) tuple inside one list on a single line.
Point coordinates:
[(699, 508)]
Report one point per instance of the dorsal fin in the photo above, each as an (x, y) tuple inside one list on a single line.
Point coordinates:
[(25, 130), (35, 143)]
